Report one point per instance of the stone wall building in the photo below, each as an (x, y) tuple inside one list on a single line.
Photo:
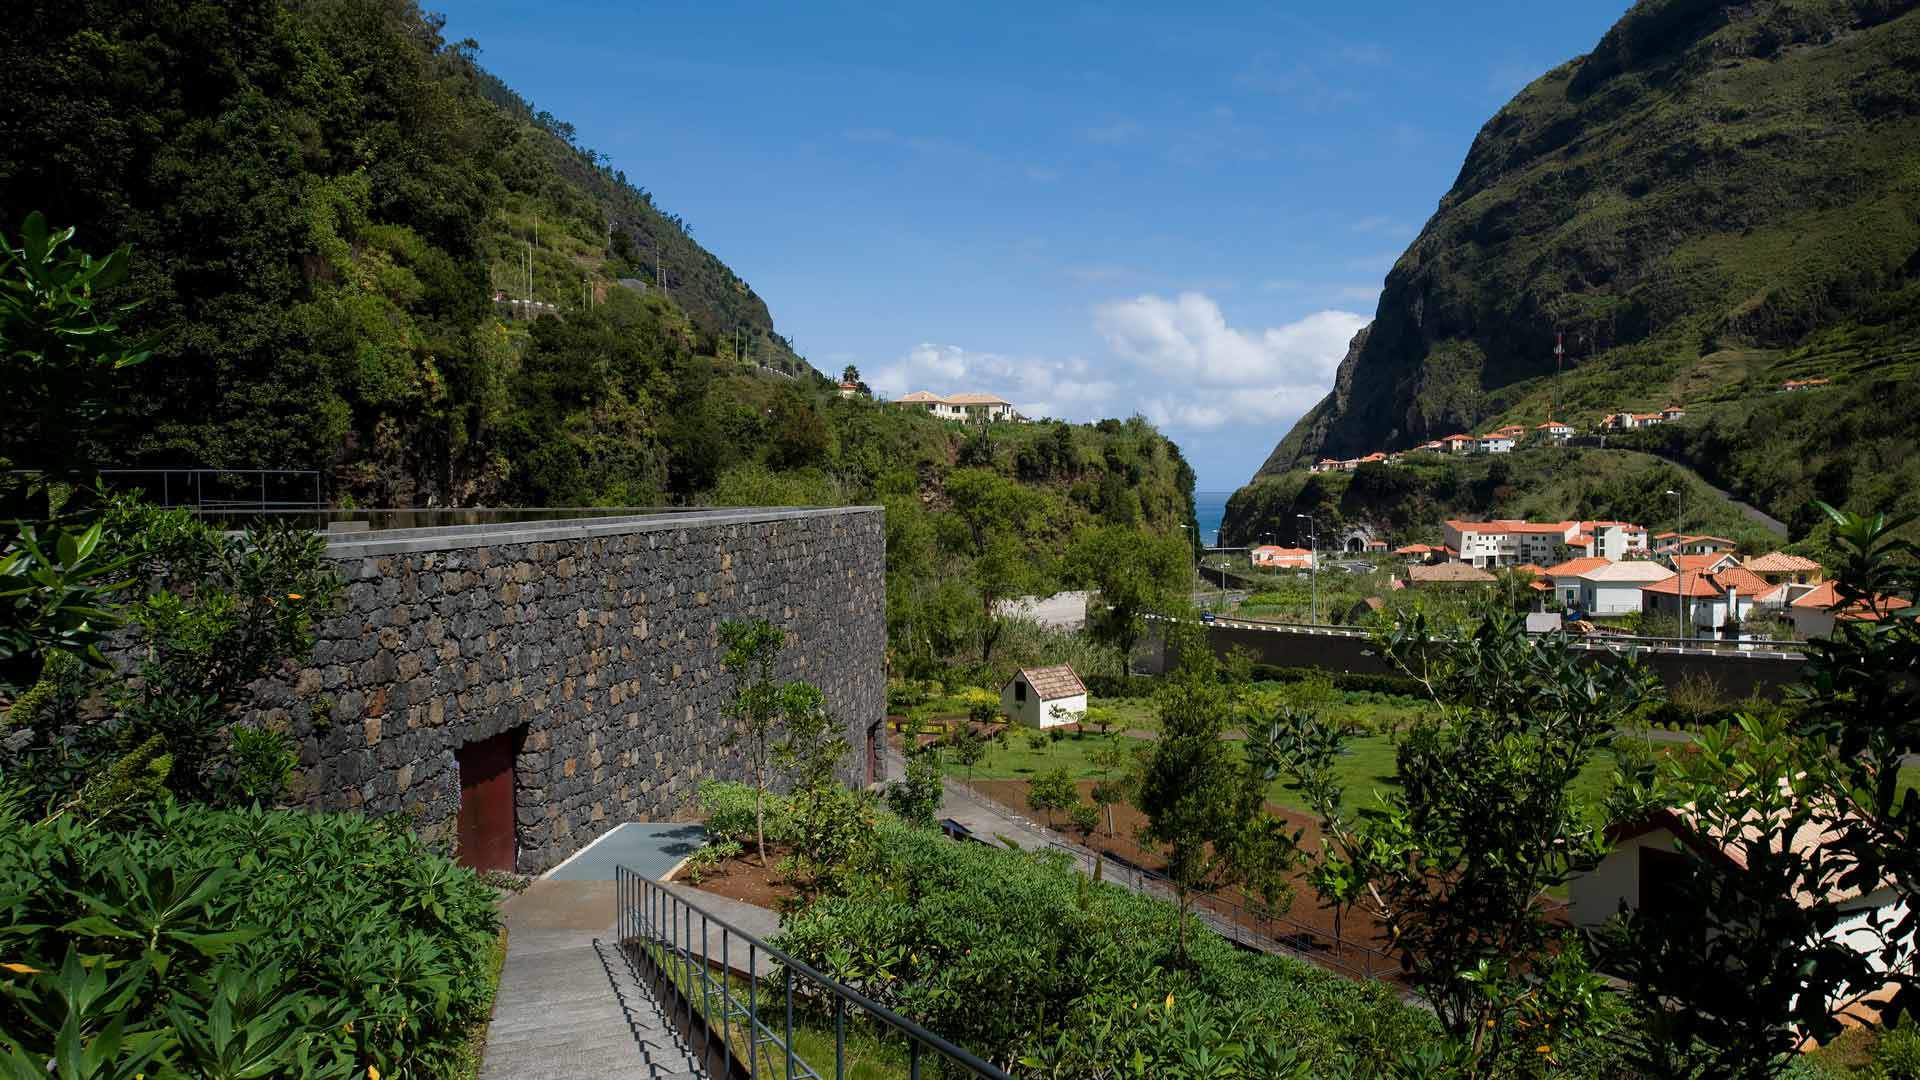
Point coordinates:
[(528, 686)]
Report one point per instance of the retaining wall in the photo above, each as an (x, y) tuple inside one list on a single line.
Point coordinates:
[(1737, 675), (595, 642)]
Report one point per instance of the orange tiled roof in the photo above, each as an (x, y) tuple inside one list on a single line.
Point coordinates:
[(1698, 586), (1575, 567), (1697, 564), (1779, 562)]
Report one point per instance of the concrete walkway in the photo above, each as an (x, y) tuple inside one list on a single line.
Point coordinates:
[(570, 1005)]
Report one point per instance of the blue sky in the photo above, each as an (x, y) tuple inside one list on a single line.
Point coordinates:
[(1094, 211)]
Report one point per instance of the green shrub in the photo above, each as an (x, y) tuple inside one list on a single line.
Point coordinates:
[(729, 809), (1077, 972), (305, 944), (1897, 1055)]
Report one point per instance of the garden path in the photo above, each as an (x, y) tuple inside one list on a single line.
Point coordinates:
[(570, 1004)]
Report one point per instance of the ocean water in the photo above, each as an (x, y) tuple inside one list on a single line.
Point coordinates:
[(1210, 508)]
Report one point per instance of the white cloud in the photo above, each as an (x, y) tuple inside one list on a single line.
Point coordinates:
[(1175, 360), (1037, 386)]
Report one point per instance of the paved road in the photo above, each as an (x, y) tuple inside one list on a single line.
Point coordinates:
[(1766, 521)]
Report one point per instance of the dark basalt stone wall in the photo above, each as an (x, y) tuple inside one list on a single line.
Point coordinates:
[(594, 644)]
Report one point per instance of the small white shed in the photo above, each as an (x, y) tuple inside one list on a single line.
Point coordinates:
[(1045, 697)]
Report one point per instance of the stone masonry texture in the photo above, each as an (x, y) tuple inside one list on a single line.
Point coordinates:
[(597, 641)]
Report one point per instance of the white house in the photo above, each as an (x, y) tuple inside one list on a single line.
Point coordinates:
[(1045, 697), (1816, 611), (1495, 443), (1274, 557), (1613, 540), (1615, 588), (1564, 579), (959, 406), (1640, 873), (1555, 432), (1488, 544), (1710, 600)]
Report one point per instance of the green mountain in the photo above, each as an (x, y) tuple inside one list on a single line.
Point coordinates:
[(337, 220), (325, 198), (1718, 198)]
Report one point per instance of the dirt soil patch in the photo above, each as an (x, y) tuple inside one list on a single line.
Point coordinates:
[(1305, 926), (743, 878)]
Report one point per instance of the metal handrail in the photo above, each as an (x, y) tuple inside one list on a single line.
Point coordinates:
[(656, 927)]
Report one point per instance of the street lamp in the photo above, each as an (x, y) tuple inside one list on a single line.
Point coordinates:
[(1679, 549), (1313, 567)]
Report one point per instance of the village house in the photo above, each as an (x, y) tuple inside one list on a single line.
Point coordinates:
[(1705, 601), (1668, 543), (1648, 858), (1460, 444), (1420, 553), (1045, 697), (1274, 557), (849, 389), (1795, 385), (1603, 586), (1495, 442), (1449, 573), (1555, 432), (1781, 568), (969, 406), (1700, 564), (1817, 610)]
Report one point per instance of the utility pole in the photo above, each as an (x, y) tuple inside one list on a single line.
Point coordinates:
[(1559, 358), (1679, 549), (1313, 567)]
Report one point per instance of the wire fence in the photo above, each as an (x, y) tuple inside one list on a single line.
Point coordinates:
[(751, 1005), (217, 489)]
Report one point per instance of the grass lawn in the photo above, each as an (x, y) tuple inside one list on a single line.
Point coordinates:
[(1366, 768)]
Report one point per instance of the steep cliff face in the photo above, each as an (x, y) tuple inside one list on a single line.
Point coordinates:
[(1719, 194)]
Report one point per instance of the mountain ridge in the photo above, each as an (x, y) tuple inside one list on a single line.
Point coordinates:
[(1718, 197)]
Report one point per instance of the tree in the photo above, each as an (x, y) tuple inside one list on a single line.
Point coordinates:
[(916, 799), (1740, 967), (993, 516), (1115, 763), (834, 825), (1050, 791), (751, 649), (1134, 574), (1203, 800), (1301, 745), (1457, 859), (969, 748), (850, 374), (1085, 817), (58, 344)]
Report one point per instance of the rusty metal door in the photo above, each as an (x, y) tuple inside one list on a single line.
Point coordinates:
[(486, 802)]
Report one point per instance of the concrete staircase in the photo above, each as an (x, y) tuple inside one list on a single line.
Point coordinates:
[(571, 1006)]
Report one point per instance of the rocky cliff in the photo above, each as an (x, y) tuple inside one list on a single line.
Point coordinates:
[(1719, 196)]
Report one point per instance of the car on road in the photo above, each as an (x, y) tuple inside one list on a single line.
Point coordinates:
[(1207, 617)]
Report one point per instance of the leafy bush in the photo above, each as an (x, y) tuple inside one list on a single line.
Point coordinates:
[(729, 809), (1078, 972), (220, 612), (1897, 1055), (245, 943)]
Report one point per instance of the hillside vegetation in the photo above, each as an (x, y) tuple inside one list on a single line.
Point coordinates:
[(1409, 500), (324, 196), (1718, 198)]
